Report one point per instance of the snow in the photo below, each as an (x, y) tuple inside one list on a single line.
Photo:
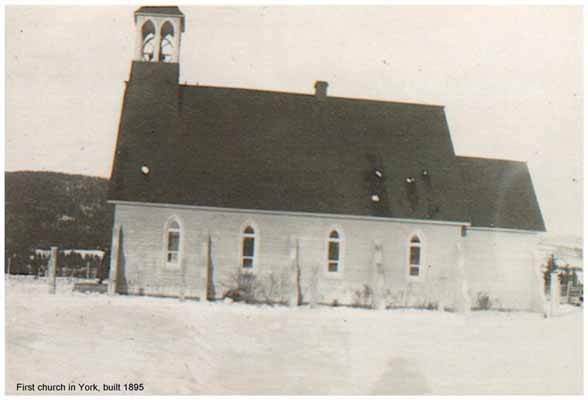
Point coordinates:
[(190, 347)]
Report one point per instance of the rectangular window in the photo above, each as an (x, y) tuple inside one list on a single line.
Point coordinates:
[(172, 257), (247, 262), (333, 251), (248, 252), (173, 247), (414, 270), (173, 241), (333, 256), (248, 246), (415, 255), (333, 266)]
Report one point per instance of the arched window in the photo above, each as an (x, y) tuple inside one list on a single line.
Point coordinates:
[(148, 45), (172, 243), (334, 252), (248, 247), (166, 50), (415, 256)]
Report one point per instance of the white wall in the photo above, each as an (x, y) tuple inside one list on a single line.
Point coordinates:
[(144, 266), (497, 263), (501, 264)]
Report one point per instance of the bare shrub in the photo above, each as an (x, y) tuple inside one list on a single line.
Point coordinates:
[(363, 298), (398, 299), (425, 305), (431, 305), (483, 301), (251, 288), (393, 299), (271, 289), (243, 287)]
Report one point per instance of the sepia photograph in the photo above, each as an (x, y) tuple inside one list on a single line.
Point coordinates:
[(293, 199)]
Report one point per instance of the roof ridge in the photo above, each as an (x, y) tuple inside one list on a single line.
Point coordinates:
[(492, 159), (188, 86)]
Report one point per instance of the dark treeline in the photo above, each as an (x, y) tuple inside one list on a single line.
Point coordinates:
[(46, 209)]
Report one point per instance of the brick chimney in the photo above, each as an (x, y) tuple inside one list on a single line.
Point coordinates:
[(320, 89)]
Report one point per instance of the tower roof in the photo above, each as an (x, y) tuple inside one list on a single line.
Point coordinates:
[(163, 11)]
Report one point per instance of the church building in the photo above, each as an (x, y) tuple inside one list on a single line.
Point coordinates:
[(307, 198)]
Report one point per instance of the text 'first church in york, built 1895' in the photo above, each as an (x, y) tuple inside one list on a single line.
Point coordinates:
[(307, 198)]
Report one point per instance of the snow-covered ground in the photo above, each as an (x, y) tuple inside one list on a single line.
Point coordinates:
[(188, 347)]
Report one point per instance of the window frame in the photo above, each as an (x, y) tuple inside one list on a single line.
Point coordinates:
[(165, 38), (166, 233), (409, 265), (152, 40), (255, 236), (341, 250)]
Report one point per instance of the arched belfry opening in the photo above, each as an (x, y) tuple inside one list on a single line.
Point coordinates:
[(148, 41), (158, 34), (167, 39)]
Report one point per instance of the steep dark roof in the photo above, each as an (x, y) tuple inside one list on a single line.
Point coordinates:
[(500, 194), (251, 149)]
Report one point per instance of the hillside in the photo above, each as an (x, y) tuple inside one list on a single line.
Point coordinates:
[(50, 208)]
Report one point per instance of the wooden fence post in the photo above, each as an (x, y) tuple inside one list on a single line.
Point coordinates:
[(463, 302), (378, 284), (293, 275), (537, 285), (554, 290), (52, 269), (314, 285), (182, 295), (204, 269), (114, 254)]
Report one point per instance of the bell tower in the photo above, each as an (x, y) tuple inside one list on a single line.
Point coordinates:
[(159, 30)]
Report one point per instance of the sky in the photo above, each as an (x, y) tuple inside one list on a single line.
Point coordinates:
[(510, 77)]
